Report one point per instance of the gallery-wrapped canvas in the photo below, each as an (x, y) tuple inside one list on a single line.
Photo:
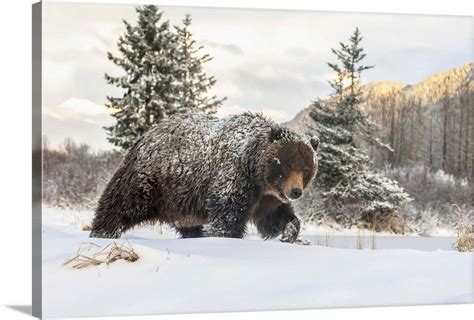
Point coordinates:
[(195, 160)]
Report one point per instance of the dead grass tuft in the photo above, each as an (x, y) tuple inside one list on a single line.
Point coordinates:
[(464, 232), (110, 253), (465, 241), (373, 240), (359, 240)]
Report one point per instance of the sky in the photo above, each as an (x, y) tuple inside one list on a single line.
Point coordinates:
[(273, 61)]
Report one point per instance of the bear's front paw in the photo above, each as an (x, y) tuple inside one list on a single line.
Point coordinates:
[(297, 241), (291, 231), (303, 242)]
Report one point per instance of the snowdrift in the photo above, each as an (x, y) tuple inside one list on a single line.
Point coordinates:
[(218, 275)]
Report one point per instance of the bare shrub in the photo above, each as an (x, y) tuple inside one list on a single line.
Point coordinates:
[(435, 197), (74, 176)]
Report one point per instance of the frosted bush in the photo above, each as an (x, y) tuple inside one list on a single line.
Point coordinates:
[(434, 195)]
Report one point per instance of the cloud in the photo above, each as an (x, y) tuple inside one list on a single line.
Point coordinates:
[(227, 110), (231, 48), (79, 119), (79, 109), (57, 130), (275, 115), (286, 91), (421, 61)]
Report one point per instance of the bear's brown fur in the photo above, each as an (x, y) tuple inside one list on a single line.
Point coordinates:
[(209, 177)]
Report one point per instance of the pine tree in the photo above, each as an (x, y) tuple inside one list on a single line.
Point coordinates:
[(350, 190), (194, 82), (162, 76), (347, 89)]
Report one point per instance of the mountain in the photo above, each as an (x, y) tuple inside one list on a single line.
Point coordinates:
[(427, 93)]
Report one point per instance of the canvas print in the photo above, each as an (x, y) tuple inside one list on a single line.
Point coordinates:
[(192, 160)]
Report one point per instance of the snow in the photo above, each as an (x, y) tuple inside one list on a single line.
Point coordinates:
[(218, 274), (337, 230)]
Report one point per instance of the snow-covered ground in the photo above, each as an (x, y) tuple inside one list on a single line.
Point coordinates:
[(215, 274)]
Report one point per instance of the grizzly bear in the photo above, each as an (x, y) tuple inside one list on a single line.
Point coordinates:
[(207, 176)]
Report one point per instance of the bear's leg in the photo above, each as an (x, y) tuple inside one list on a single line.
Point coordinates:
[(111, 224), (112, 221), (291, 231), (106, 224), (227, 218), (121, 207), (112, 218), (282, 221), (191, 232), (102, 228)]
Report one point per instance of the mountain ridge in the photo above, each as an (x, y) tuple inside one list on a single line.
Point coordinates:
[(427, 92)]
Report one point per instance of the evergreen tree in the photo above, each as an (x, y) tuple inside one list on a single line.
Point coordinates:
[(162, 75), (194, 82), (350, 190), (347, 90)]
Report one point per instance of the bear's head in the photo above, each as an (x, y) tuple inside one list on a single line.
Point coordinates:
[(289, 163)]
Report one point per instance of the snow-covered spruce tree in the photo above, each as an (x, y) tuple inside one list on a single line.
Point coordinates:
[(194, 83), (347, 93), (163, 76), (351, 192)]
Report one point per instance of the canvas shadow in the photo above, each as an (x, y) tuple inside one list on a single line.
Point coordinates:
[(23, 308)]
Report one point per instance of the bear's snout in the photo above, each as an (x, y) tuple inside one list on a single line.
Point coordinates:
[(293, 186)]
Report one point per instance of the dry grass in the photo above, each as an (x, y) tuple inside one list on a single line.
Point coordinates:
[(373, 240), (86, 227), (161, 228), (325, 240), (110, 253), (464, 232), (359, 240), (465, 242), (328, 238), (362, 240)]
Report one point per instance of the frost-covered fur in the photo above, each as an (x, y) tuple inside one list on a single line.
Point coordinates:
[(208, 177)]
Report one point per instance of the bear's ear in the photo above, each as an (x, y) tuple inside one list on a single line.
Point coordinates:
[(314, 141), (276, 133)]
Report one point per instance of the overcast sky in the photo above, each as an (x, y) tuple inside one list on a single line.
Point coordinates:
[(264, 60)]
